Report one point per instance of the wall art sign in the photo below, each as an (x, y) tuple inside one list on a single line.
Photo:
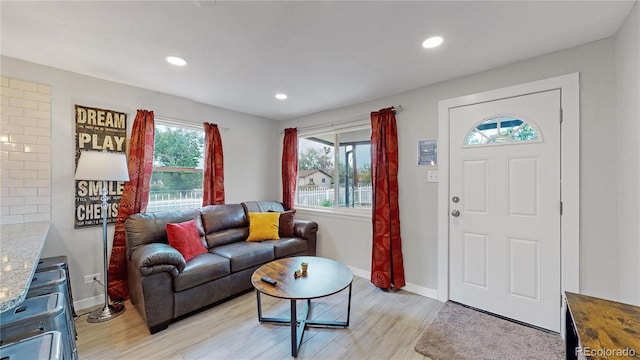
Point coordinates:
[(98, 130)]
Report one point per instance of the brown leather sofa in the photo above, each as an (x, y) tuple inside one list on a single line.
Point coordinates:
[(164, 287)]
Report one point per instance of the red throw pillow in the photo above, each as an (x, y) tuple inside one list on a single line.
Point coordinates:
[(185, 238)]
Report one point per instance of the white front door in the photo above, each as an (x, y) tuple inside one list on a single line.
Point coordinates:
[(505, 207)]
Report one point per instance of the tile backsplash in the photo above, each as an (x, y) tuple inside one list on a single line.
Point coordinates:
[(25, 151)]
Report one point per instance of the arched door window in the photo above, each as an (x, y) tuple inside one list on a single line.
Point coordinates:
[(503, 129)]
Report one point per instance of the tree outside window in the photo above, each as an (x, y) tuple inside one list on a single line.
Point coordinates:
[(176, 181)]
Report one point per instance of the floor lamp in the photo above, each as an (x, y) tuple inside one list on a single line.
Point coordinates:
[(103, 166)]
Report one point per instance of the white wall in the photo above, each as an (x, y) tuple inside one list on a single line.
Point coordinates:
[(250, 151), (627, 52), (419, 120)]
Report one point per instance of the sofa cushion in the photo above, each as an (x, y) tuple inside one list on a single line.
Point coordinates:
[(225, 237), (229, 221), (151, 227), (201, 269), (222, 217), (263, 206), (263, 226), (287, 246), (185, 238), (244, 255)]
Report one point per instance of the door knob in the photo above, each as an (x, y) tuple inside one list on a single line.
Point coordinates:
[(455, 213)]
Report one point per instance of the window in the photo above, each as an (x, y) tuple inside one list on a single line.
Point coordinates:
[(178, 162), (501, 130), (341, 158)]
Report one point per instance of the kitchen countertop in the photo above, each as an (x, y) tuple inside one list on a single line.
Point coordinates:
[(20, 249), (605, 329)]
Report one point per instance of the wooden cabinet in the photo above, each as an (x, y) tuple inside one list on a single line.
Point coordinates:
[(601, 329)]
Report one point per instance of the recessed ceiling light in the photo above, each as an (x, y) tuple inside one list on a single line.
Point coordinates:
[(281, 96), (432, 42), (174, 60)]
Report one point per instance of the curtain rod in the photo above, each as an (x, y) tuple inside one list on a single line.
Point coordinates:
[(182, 122), (396, 109)]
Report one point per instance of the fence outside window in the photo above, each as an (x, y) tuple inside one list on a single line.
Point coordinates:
[(174, 200), (359, 196)]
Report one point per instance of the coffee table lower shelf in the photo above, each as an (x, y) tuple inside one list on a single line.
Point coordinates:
[(298, 327)]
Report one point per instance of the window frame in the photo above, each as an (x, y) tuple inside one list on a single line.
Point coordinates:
[(525, 121), (158, 121), (335, 209)]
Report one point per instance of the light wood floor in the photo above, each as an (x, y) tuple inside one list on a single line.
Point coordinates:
[(383, 325)]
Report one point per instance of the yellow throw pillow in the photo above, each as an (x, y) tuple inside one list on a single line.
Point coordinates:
[(263, 226)]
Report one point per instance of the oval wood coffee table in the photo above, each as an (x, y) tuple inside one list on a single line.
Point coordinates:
[(324, 277)]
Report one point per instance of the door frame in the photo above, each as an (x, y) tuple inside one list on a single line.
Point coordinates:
[(569, 86)]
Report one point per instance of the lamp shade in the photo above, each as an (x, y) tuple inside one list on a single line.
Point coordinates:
[(102, 165)]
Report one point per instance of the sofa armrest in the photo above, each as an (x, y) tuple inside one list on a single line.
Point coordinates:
[(304, 228), (307, 230), (157, 257)]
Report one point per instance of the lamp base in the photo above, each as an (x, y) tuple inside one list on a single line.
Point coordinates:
[(106, 313)]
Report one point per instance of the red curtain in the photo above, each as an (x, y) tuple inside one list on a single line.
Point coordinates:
[(213, 182), (289, 167), (387, 269), (134, 199)]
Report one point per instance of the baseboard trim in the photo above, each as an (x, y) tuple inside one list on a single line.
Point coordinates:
[(360, 273), (410, 287), (83, 304), (421, 290)]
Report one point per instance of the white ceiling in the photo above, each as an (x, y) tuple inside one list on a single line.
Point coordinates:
[(323, 54)]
